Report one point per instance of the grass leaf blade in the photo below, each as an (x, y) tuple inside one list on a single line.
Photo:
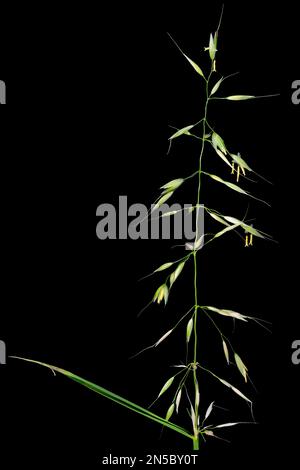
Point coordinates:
[(111, 396)]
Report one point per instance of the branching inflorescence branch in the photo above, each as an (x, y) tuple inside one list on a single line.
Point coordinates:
[(239, 168)]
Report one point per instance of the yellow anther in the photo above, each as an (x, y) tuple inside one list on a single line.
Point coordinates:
[(232, 168), (251, 240), (214, 66), (238, 174), (243, 170), (246, 241)]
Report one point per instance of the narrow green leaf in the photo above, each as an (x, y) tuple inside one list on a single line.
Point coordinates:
[(174, 184), (221, 155), (189, 330), (162, 200), (235, 390), (193, 416), (235, 187), (238, 392), (239, 97), (225, 349), (250, 229), (176, 273), (208, 411), (184, 130), (197, 396), (224, 382), (166, 294), (163, 337), (112, 396), (225, 230), (239, 161), (232, 186), (212, 47), (246, 227), (178, 399), (194, 65), (216, 40), (170, 412), (241, 366), (218, 218), (166, 386), (172, 279), (233, 220), (218, 142), (227, 313), (216, 87), (159, 294), (225, 425), (163, 267), (168, 214)]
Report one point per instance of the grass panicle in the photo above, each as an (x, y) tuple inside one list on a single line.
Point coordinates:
[(186, 384)]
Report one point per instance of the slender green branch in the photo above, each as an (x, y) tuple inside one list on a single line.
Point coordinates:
[(252, 97), (196, 441)]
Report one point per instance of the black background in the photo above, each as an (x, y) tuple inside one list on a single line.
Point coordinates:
[(87, 120)]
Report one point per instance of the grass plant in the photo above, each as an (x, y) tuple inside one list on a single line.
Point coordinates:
[(185, 382)]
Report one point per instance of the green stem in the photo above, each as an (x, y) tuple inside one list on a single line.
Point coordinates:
[(196, 444), (196, 438)]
